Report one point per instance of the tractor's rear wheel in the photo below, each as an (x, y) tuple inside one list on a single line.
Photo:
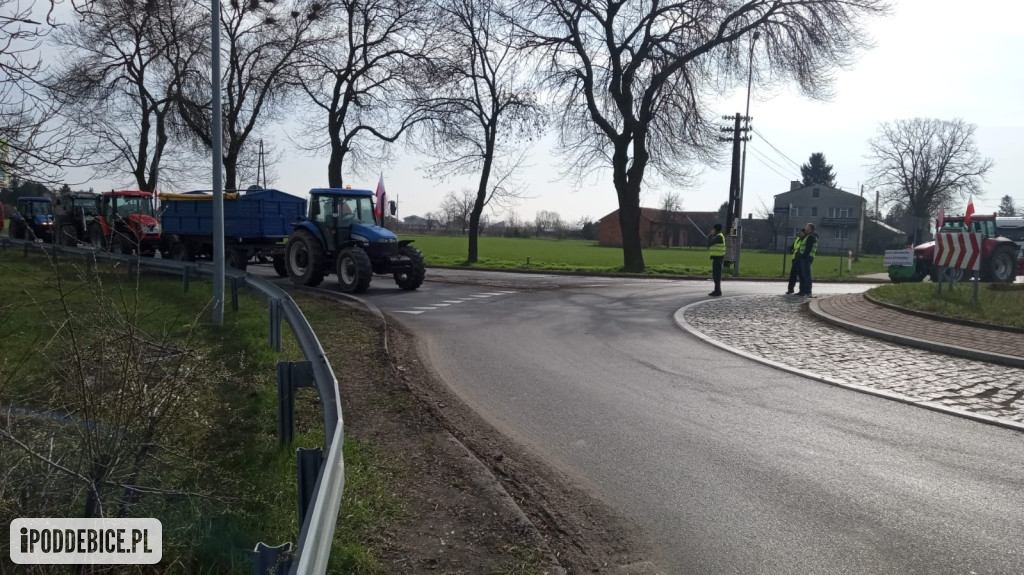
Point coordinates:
[(280, 266), (354, 270), (411, 278), (1001, 265), (305, 259), (67, 236)]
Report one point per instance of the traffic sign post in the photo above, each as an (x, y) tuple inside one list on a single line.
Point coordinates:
[(785, 237)]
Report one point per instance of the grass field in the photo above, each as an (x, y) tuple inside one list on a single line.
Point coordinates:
[(587, 256), (1003, 305), (245, 481)]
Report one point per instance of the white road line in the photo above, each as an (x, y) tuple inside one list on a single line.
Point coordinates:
[(493, 293), (480, 295), (424, 308), (453, 301), (441, 304), (412, 312), (508, 292)]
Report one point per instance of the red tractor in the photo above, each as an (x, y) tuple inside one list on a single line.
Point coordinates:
[(1000, 256), (125, 223)]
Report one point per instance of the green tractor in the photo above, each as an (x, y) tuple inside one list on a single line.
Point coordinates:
[(342, 236)]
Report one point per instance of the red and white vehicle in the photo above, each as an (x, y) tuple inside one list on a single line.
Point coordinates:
[(126, 223), (1001, 257)]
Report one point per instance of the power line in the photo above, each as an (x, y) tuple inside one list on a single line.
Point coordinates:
[(761, 157), (774, 148)]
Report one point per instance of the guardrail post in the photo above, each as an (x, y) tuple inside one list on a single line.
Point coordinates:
[(234, 294), (269, 560), (291, 375), (309, 461), (274, 336), (186, 275)]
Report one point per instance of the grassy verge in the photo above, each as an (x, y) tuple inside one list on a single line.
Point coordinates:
[(241, 486), (997, 303), (584, 256)]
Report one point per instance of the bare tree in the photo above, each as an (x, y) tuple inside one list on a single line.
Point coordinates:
[(923, 164), (482, 104), (456, 209), (260, 43), (776, 225), (547, 222), (632, 77), (122, 72), (33, 143), (360, 79)]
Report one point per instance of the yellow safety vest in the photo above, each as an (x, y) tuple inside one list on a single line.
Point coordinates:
[(803, 247), (797, 243), (718, 250)]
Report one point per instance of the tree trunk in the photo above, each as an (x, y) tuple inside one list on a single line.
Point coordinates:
[(627, 186), (231, 171), (337, 158), (478, 206)]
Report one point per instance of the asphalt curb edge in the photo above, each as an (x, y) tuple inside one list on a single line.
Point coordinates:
[(680, 319)]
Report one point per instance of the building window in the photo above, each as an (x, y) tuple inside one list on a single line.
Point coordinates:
[(842, 233), (814, 211), (815, 193), (839, 212), (795, 212)]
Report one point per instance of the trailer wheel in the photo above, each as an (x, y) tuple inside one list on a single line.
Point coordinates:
[(354, 270), (411, 278), (237, 259), (181, 253), (1001, 265), (305, 259), (280, 266)]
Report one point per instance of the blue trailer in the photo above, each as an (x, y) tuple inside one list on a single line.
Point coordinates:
[(256, 224)]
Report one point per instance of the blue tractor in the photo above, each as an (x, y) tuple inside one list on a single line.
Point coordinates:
[(34, 219), (342, 236)]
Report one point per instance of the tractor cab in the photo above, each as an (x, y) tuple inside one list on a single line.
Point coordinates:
[(126, 223), (343, 216), (73, 213), (33, 219)]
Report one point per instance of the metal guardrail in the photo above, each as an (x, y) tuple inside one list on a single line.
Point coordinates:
[(321, 477)]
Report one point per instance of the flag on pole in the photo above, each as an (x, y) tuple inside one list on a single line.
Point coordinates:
[(378, 208), (942, 218), (970, 210)]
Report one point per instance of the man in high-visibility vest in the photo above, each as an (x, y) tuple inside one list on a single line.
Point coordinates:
[(794, 270), (808, 249), (716, 247)]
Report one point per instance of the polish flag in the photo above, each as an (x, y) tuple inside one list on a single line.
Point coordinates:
[(942, 218), (970, 210), (378, 208)]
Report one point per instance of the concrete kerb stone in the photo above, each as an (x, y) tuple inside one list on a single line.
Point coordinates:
[(947, 349), (680, 319), (725, 278)]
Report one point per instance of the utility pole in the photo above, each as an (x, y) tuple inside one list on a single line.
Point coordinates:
[(734, 216), (216, 135)]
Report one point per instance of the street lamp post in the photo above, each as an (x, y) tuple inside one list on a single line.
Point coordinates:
[(743, 162), (216, 134)]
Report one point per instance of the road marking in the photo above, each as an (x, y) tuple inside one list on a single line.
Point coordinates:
[(453, 301), (441, 304), (480, 295), (412, 312), (424, 308), (493, 293)]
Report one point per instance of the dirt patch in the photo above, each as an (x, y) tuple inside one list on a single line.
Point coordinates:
[(412, 412)]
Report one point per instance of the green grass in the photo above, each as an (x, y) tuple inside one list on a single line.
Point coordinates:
[(587, 256), (996, 304), (251, 480)]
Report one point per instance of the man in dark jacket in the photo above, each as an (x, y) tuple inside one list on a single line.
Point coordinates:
[(716, 247), (808, 249)]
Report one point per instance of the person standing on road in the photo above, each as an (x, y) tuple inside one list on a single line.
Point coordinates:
[(794, 269), (808, 249), (716, 247)]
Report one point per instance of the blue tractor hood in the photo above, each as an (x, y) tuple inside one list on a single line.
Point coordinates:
[(373, 234)]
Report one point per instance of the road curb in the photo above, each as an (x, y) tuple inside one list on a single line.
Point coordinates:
[(942, 318), (680, 319), (726, 278), (947, 349), (493, 481)]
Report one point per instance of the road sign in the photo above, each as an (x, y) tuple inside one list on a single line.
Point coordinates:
[(959, 250), (782, 210), (904, 258)]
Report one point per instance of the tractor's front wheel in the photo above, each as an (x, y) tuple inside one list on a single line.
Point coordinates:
[(180, 252), (412, 277), (119, 244), (305, 259), (68, 236), (1001, 265), (354, 270)]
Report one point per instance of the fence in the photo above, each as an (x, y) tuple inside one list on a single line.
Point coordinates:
[(321, 478)]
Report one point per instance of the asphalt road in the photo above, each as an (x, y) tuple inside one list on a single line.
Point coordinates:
[(729, 466)]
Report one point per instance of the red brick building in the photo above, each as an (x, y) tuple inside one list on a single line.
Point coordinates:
[(660, 228)]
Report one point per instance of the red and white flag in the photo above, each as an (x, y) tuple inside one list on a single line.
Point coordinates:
[(378, 208), (941, 219), (970, 210)]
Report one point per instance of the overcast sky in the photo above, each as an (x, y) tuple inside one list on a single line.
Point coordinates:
[(939, 59)]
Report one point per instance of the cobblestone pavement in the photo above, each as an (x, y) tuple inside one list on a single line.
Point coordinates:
[(780, 329)]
